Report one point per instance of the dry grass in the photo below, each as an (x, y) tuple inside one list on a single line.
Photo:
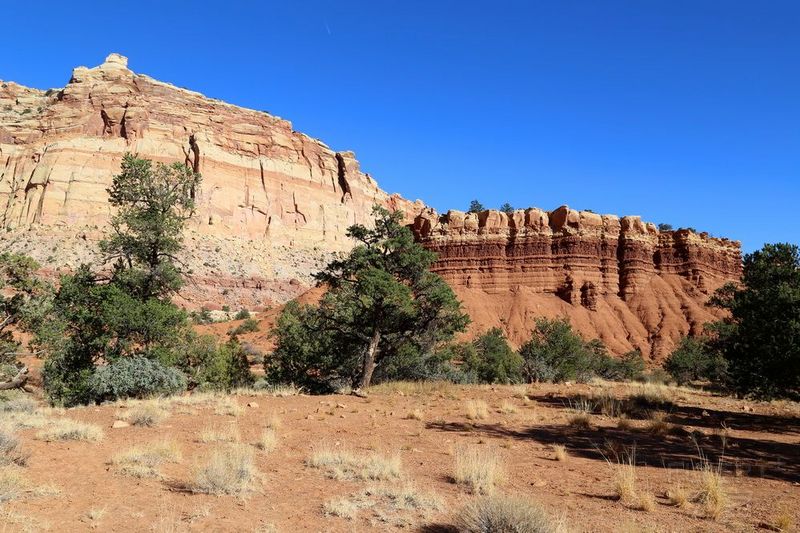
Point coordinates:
[(505, 514), (229, 433), (142, 461), (343, 464), (11, 452), (678, 497), (413, 388), (12, 484), (273, 421), (342, 507), (658, 424), (712, 494), (508, 408), (18, 405), (268, 440), (230, 470), (479, 469), (67, 429), (560, 452), (580, 420), (228, 406), (624, 424), (477, 410), (146, 414), (626, 487), (783, 521), (387, 503), (416, 414)]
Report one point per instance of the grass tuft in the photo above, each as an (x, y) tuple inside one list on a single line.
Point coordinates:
[(268, 440), (66, 429), (230, 470), (712, 494), (477, 410), (342, 464), (479, 469), (491, 514), (143, 461)]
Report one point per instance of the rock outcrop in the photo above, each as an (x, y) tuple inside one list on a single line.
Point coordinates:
[(286, 195), (617, 279)]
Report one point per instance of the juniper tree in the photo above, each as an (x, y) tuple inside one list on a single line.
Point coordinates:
[(382, 301)]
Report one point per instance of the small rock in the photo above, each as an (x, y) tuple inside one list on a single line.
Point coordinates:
[(119, 424), (252, 404), (341, 405)]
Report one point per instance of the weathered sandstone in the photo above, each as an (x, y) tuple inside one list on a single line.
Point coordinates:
[(618, 279), (285, 194)]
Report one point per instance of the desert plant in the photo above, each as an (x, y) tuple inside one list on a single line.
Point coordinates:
[(143, 460), (383, 303), (342, 464), (555, 353), (268, 440), (759, 336), (146, 414), (250, 325), (560, 452), (67, 429), (712, 494), (694, 359), (229, 433), (505, 514), (135, 377), (11, 452), (229, 470), (477, 409), (492, 360), (478, 469)]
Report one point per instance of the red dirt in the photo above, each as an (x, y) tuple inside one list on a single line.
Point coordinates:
[(760, 463)]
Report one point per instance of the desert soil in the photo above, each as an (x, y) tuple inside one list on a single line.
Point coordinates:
[(72, 486)]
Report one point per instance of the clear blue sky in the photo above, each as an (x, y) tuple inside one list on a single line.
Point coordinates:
[(685, 112)]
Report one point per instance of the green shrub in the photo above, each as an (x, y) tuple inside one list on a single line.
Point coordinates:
[(555, 353), (242, 314), (630, 366), (250, 325), (491, 358), (693, 359), (214, 366), (135, 377)]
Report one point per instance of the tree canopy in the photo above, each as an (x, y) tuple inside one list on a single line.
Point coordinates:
[(760, 339), (382, 303)]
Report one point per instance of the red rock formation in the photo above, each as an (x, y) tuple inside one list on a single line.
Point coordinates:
[(620, 280), (272, 200)]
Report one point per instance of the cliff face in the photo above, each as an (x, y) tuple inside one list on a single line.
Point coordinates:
[(617, 279), (271, 198)]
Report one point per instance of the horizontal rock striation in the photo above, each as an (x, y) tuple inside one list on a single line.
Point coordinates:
[(618, 279), (263, 182)]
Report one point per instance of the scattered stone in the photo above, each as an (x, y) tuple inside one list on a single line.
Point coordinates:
[(119, 424)]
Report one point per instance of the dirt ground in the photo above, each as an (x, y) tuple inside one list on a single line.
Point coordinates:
[(71, 485)]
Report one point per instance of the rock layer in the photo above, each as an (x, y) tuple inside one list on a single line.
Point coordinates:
[(263, 182), (618, 279)]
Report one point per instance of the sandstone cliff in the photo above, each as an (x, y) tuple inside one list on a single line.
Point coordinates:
[(617, 279), (272, 199), (275, 204)]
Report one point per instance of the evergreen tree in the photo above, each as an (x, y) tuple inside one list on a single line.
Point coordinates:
[(382, 303), (475, 207), (761, 337)]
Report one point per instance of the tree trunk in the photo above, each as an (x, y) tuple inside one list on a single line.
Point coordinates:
[(368, 366), (17, 382)]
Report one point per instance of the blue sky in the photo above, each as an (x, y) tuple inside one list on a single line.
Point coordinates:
[(686, 112)]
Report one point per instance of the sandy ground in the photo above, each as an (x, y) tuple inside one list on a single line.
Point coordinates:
[(72, 487)]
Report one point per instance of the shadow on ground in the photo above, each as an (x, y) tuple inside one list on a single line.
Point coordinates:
[(675, 448)]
